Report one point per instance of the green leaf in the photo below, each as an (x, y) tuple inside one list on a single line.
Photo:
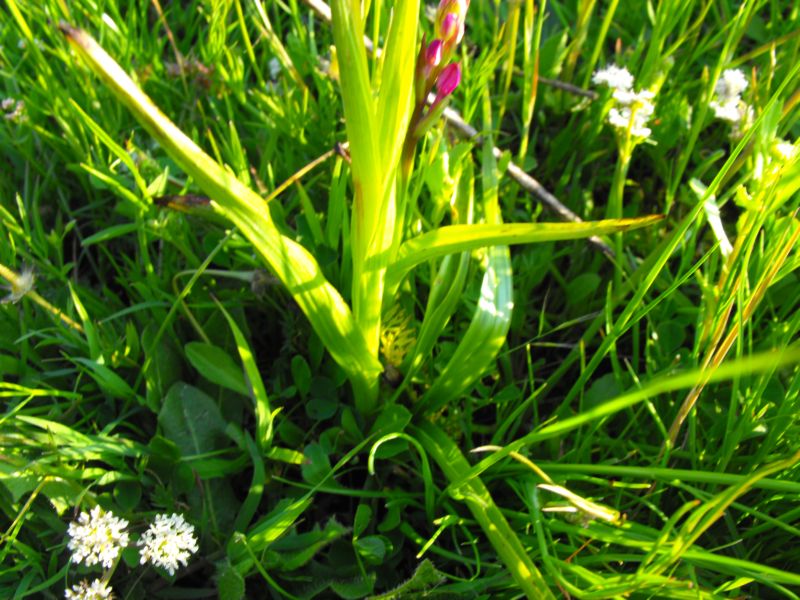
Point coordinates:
[(458, 238), (425, 577), (216, 365), (354, 589), (294, 266), (191, 420), (127, 495), (230, 584), (362, 519), (317, 465), (301, 373), (259, 392), (373, 548), (110, 233), (474, 494), (108, 381)]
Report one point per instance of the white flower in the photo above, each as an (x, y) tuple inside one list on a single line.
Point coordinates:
[(636, 105), (729, 110), (785, 150), (168, 542), (97, 590), (728, 104), (731, 85), (618, 78), (643, 98), (621, 118), (97, 537)]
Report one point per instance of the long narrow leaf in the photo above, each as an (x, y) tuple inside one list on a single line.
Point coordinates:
[(489, 326), (292, 264), (458, 238), (480, 502)]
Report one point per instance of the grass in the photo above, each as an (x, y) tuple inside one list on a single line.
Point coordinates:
[(208, 340)]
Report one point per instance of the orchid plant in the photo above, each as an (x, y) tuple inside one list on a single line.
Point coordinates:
[(387, 112)]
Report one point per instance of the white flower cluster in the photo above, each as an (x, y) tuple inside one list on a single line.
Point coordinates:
[(168, 542), (97, 590), (13, 110), (98, 537), (728, 104), (633, 109)]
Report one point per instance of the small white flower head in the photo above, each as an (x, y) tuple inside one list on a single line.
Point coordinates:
[(728, 104), (731, 85), (633, 105), (97, 590), (97, 537), (730, 111), (168, 543), (621, 119), (784, 150), (617, 78)]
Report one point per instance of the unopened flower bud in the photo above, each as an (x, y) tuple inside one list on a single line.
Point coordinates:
[(433, 54), (448, 81)]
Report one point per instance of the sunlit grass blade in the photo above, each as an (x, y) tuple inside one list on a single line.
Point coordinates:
[(458, 238), (292, 264), (256, 384), (492, 318), (474, 494), (447, 286)]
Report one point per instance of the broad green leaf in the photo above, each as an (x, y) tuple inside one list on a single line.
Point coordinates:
[(395, 97), (373, 548), (354, 589), (191, 420), (362, 519), (108, 381), (216, 365), (230, 583), (447, 287), (301, 374), (329, 315)]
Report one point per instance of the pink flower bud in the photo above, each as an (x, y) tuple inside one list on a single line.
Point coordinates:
[(449, 28), (448, 81), (450, 17), (433, 54)]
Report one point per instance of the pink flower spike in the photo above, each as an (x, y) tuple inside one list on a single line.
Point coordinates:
[(433, 54), (448, 81)]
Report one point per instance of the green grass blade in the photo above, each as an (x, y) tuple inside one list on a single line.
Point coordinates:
[(489, 326), (256, 384), (477, 498), (459, 238)]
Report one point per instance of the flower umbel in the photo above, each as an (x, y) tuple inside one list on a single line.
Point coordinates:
[(97, 537), (617, 78), (728, 104), (633, 109), (168, 543), (97, 590)]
